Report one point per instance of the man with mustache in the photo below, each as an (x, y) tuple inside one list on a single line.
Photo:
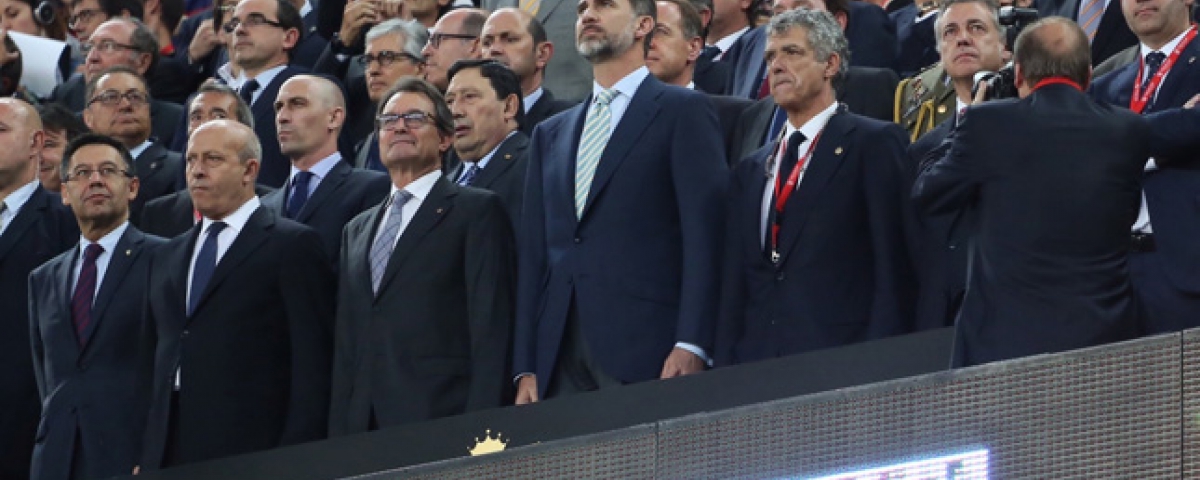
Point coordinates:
[(620, 229), (86, 308), (119, 106)]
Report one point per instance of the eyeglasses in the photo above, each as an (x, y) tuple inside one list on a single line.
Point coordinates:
[(252, 20), (105, 46), (412, 120), (386, 58), (435, 39), (227, 8), (107, 172), (112, 98), (84, 15)]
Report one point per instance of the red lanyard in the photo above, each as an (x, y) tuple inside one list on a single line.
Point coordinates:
[(1140, 99), (1057, 81), (784, 191)]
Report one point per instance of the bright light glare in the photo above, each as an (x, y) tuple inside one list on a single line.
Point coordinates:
[(971, 465)]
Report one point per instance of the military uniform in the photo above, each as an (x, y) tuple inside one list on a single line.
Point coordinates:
[(924, 101)]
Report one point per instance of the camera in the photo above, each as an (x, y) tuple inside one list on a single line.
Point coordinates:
[(1003, 83)]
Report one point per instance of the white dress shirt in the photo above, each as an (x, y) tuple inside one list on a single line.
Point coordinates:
[(626, 88), (1142, 224), (264, 78), (419, 189), (810, 130), (529, 101), (727, 41), (14, 201), (234, 222), (109, 244)]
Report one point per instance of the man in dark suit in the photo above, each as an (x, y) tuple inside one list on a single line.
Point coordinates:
[(1057, 279), (34, 227), (1165, 251), (515, 38), (324, 192), (918, 46), (393, 50), (262, 52), (608, 296), (240, 310), (85, 309), (673, 59), (863, 90), (1101, 20), (109, 49), (425, 293), (815, 253), (173, 214), (484, 98), (872, 43), (118, 107)]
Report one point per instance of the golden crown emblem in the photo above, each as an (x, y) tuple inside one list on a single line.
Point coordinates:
[(488, 444)]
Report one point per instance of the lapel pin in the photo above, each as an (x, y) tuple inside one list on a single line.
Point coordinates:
[(440, 210), (1192, 60), (128, 252), (508, 156), (941, 109), (837, 151)]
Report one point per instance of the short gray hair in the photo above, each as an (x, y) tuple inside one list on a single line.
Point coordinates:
[(992, 7), (825, 35), (415, 34)]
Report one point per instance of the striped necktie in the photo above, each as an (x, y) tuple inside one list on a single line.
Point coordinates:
[(597, 128), (381, 251), (1089, 17)]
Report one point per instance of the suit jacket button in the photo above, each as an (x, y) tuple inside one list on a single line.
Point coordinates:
[(779, 277), (578, 240), (954, 247), (183, 335)]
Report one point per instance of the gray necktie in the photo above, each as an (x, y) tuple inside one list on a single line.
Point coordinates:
[(381, 251)]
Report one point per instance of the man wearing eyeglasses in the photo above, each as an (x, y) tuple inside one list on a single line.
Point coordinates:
[(454, 38), (86, 15), (87, 337), (124, 42), (393, 51), (425, 290), (264, 32), (34, 227), (119, 106)]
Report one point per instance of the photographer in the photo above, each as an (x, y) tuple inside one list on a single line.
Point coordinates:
[(1053, 180)]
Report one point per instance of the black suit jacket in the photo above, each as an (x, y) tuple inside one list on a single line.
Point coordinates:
[(1112, 35), (918, 46), (436, 339), (164, 115), (545, 107), (710, 76), (864, 91), (1048, 265), (344, 193), (844, 273), (871, 35), (939, 241), (42, 229), (729, 113), (91, 394), (168, 216), (253, 358), (158, 170), (275, 168), (504, 174)]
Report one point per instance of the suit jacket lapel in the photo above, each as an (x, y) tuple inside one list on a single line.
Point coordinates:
[(29, 214), (643, 107), (252, 236), (150, 161), (64, 273), (559, 163), (332, 181), (826, 160), (502, 160), (1175, 90), (433, 209), (126, 252)]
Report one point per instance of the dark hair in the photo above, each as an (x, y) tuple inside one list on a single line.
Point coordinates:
[(90, 89), (690, 22), (57, 117), (10, 73), (243, 115), (536, 30), (504, 82), (144, 41), (644, 8), (289, 18), (113, 8), (441, 113), (51, 16), (702, 5), (1042, 54), (96, 139), (171, 13)]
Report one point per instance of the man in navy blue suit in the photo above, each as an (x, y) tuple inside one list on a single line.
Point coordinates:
[(619, 242), (1165, 247), (815, 254), (85, 309)]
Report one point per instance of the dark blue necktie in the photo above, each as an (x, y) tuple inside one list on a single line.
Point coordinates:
[(299, 193), (710, 52), (206, 262), (247, 91), (1154, 61), (469, 175)]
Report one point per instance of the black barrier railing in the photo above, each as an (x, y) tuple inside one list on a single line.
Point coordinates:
[(603, 411)]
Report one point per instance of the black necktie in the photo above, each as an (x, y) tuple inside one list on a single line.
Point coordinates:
[(1154, 61), (787, 163), (299, 193), (710, 52), (247, 91), (790, 156), (206, 262)]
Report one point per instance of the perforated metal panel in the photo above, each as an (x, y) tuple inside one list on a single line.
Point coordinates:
[(1100, 413), (624, 454), (1191, 404)]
